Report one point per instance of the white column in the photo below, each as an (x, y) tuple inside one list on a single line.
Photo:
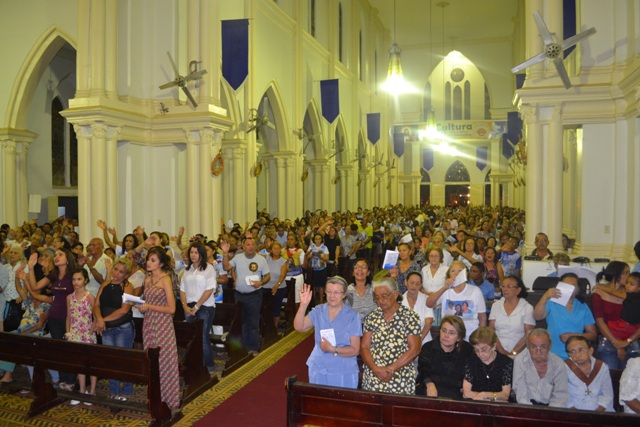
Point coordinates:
[(292, 204), (216, 188), (235, 180), (280, 176), (193, 189), (570, 187), (111, 216), (534, 196), (23, 187), (534, 44), (83, 133), (205, 180), (111, 47), (97, 48), (554, 171), (9, 178), (98, 177), (83, 79)]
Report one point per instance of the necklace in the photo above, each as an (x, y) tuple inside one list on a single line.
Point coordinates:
[(484, 368)]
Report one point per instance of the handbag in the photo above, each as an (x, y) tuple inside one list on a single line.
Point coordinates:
[(13, 315)]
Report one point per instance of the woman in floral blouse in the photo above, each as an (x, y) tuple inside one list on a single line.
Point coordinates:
[(390, 342)]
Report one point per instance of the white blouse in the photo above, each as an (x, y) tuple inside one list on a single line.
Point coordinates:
[(432, 282), (195, 282), (510, 328)]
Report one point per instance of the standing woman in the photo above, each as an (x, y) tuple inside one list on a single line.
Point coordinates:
[(60, 281), (404, 266), (390, 343), (278, 268), (487, 375), (435, 273), (197, 289), (333, 361), (113, 319), (417, 301), (295, 263), (332, 242), (157, 329), (318, 255), (359, 293)]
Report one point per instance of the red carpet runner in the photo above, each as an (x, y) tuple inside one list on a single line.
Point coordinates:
[(263, 402)]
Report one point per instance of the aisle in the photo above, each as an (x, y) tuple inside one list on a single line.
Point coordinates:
[(254, 395)]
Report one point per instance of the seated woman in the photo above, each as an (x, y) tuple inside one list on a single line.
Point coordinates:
[(512, 317), (390, 342), (563, 321), (333, 361), (487, 374), (630, 387), (589, 379), (442, 361)]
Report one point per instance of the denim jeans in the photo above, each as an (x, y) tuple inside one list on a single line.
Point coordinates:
[(121, 336), (251, 310), (608, 354), (206, 314)]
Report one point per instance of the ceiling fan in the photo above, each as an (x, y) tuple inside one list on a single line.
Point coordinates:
[(390, 166), (181, 81), (337, 150), (553, 50), (378, 162), (359, 156), (302, 134)]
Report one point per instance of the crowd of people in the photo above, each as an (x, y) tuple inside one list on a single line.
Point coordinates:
[(458, 275)]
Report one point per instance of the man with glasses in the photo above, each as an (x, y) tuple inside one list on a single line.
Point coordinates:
[(542, 251), (539, 376)]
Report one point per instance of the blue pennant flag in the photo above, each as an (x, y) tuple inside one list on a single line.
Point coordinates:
[(427, 158), (373, 127), (482, 155), (235, 51), (398, 143), (330, 99)]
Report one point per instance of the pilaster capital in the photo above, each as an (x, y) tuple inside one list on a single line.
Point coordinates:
[(99, 130), (528, 113), (9, 146)]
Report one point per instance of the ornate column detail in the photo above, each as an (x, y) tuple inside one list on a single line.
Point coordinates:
[(9, 178)]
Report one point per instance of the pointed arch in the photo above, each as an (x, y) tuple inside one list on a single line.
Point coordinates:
[(229, 101), (278, 140), (342, 142), (457, 172), (30, 73), (313, 125)]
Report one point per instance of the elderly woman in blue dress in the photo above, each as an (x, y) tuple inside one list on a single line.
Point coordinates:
[(338, 330)]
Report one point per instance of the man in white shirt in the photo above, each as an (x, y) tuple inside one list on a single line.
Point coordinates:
[(94, 263)]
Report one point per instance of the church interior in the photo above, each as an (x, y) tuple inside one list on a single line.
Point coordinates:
[(127, 111)]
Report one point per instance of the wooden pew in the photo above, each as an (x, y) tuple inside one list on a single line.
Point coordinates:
[(140, 367), (229, 316), (192, 368), (309, 404), (268, 330)]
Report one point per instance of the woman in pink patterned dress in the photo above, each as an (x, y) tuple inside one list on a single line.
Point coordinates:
[(157, 329), (80, 323)]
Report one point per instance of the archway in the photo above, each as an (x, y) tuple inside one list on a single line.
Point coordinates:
[(457, 189)]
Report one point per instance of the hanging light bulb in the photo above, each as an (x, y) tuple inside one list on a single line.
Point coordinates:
[(395, 83)]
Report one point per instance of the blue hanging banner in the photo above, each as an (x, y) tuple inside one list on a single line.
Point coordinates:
[(235, 51), (398, 143), (427, 158), (330, 98), (482, 155), (373, 127)]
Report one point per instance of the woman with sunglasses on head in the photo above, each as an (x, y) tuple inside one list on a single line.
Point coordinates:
[(511, 317), (333, 361)]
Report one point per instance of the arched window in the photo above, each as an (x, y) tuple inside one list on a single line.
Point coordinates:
[(447, 101), (312, 18), (457, 172), (467, 100), (340, 32), (457, 103)]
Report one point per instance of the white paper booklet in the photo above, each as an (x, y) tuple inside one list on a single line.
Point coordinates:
[(566, 289), (329, 335), (132, 299), (460, 278), (250, 279), (390, 260)]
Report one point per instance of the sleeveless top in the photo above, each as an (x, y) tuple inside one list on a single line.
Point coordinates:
[(110, 301)]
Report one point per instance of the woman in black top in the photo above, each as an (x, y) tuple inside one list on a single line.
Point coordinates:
[(113, 318), (487, 375), (441, 362)]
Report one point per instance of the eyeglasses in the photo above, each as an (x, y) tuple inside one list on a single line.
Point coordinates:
[(482, 350), (540, 349), (508, 287), (384, 296), (332, 293), (578, 350), (360, 267)]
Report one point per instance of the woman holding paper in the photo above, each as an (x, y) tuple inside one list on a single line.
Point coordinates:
[(566, 316), (333, 361), (455, 292), (113, 318)]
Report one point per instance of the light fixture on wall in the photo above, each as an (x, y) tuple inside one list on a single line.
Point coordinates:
[(395, 84)]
